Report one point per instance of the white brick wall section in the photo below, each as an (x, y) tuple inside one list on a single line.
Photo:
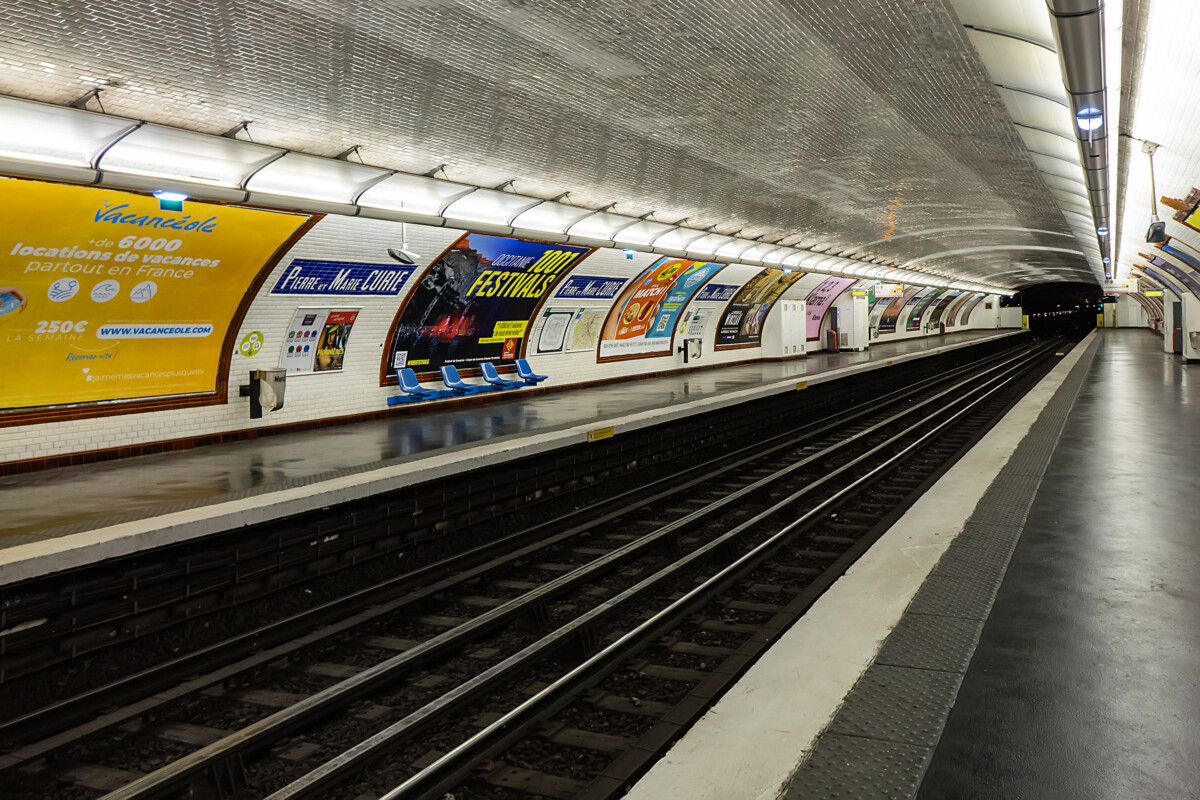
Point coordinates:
[(355, 389)]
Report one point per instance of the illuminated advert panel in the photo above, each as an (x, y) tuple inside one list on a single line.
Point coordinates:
[(104, 296)]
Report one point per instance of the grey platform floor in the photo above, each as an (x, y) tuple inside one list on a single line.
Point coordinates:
[(1086, 681), (145, 486)]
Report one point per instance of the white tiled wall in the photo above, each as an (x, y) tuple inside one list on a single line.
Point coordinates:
[(356, 388)]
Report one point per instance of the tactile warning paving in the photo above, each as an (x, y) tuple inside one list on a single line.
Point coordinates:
[(928, 642), (899, 704), (974, 563), (853, 768), (879, 742), (954, 597)]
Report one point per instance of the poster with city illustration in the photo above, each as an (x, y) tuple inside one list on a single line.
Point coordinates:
[(106, 296), (742, 321), (475, 302), (817, 304), (642, 320), (316, 340)]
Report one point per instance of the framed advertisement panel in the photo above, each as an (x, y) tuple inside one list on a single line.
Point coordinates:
[(475, 303), (125, 306), (642, 322), (741, 322)]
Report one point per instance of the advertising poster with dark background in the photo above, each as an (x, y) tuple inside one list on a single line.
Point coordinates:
[(741, 323), (474, 303), (887, 323)]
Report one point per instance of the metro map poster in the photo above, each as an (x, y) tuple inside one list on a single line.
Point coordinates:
[(475, 302)]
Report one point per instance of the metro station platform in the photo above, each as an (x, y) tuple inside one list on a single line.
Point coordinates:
[(937, 667), (121, 507)]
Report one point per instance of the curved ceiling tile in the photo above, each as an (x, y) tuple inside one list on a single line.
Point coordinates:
[(1037, 112), (1026, 18), (1057, 166), (1019, 64), (1052, 143)]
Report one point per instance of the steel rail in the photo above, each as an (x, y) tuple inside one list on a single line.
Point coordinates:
[(449, 770), (354, 758), (148, 690), (285, 721)]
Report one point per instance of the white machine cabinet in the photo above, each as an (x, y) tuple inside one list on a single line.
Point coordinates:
[(784, 330)]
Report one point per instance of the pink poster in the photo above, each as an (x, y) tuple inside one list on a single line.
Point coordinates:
[(819, 301)]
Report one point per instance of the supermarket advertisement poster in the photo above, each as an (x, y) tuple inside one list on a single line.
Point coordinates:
[(742, 321), (474, 303), (104, 296), (642, 320)]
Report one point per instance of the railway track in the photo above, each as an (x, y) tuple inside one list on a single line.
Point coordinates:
[(445, 669)]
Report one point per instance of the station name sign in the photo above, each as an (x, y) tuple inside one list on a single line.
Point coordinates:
[(307, 276)]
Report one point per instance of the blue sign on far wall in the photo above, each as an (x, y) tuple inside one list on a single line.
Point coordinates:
[(306, 276), (717, 291)]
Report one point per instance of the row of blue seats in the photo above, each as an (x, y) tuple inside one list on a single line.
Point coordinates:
[(414, 392)]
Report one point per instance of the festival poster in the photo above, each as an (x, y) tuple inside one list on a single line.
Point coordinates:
[(936, 315), (818, 302), (891, 312), (642, 320), (741, 322), (914, 318), (474, 303), (105, 296), (316, 340)]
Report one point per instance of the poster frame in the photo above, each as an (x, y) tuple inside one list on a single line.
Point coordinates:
[(32, 415), (417, 278), (716, 331), (612, 309)]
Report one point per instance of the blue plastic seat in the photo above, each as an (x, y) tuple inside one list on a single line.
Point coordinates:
[(526, 373), (492, 376), (414, 392), (456, 384)]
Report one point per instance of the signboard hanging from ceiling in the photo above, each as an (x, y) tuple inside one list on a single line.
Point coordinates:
[(116, 299), (474, 303)]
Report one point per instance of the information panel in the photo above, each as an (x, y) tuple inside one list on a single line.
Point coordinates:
[(316, 340), (103, 296), (642, 320), (741, 323), (475, 301)]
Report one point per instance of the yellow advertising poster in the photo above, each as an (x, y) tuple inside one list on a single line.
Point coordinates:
[(104, 296)]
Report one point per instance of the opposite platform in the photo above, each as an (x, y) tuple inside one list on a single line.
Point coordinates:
[(121, 507)]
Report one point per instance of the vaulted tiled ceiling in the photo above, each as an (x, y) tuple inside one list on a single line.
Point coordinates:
[(864, 127)]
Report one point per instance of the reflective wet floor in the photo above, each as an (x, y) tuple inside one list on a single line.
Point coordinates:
[(1086, 682), (70, 499)]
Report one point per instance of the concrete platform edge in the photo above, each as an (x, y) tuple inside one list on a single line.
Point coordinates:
[(749, 746), (35, 559)]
